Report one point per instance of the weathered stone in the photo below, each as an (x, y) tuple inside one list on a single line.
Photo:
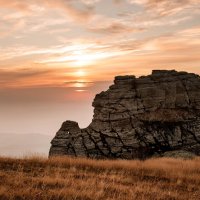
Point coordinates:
[(138, 118), (179, 154)]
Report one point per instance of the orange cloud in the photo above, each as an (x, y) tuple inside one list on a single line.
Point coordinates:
[(16, 4), (98, 45), (113, 28), (166, 7), (66, 6)]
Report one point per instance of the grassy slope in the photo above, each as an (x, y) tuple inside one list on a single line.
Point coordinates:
[(70, 178)]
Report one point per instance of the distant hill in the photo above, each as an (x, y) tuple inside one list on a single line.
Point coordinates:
[(24, 144)]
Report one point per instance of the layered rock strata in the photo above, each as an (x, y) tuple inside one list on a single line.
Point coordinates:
[(137, 118)]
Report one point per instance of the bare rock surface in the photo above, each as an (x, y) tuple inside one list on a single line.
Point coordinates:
[(137, 118)]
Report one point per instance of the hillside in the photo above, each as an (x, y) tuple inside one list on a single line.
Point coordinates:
[(84, 179)]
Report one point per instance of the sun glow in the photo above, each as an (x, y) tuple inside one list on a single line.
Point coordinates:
[(80, 73), (80, 90), (83, 59), (80, 55), (79, 85)]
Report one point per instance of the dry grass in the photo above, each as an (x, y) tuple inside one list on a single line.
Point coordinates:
[(84, 179)]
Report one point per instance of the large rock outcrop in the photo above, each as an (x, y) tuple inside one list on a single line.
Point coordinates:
[(137, 118)]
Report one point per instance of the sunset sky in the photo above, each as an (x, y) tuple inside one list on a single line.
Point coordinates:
[(55, 55)]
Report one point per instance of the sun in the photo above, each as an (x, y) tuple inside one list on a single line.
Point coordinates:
[(80, 73)]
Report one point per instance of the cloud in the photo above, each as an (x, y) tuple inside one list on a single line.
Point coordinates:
[(165, 7), (34, 75), (113, 28), (193, 32), (67, 6), (110, 25), (27, 16), (15, 4), (37, 74), (77, 14), (13, 75), (84, 82), (146, 21), (98, 41), (90, 2), (80, 85), (160, 13), (10, 26), (180, 51)]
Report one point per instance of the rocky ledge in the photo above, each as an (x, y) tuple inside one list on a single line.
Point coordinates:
[(138, 118)]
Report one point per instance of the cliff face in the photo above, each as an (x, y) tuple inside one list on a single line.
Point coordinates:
[(137, 118)]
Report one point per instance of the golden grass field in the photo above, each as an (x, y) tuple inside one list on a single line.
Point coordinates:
[(68, 178)]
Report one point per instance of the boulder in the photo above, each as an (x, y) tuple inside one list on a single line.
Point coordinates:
[(138, 118)]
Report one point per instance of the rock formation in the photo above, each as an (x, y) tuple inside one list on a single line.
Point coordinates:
[(137, 118)]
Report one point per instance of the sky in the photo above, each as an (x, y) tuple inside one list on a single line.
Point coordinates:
[(55, 55)]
